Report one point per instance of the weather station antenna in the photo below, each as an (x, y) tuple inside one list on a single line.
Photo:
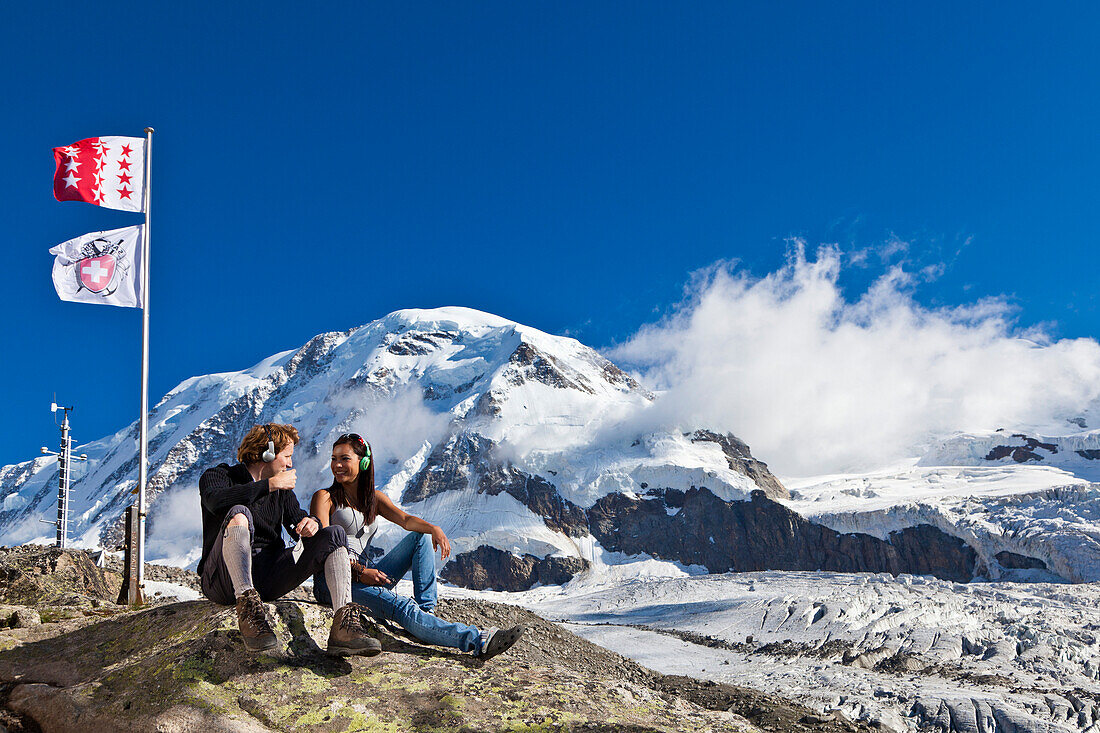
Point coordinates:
[(64, 459)]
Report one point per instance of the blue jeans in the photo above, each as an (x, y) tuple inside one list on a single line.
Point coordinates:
[(413, 552)]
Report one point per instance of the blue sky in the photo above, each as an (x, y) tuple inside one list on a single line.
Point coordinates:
[(567, 165)]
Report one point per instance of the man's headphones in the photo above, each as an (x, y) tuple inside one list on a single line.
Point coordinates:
[(269, 454)]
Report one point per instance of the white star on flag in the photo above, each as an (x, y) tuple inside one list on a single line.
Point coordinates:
[(71, 180)]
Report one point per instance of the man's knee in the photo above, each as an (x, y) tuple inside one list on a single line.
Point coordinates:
[(332, 537), (239, 516)]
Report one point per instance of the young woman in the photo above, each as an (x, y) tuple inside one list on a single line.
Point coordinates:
[(353, 503)]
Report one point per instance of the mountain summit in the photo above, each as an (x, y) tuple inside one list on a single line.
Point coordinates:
[(504, 435)]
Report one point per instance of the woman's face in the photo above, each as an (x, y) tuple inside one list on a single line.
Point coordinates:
[(345, 464)]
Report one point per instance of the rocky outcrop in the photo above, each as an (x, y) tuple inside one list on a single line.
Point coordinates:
[(693, 527), (527, 363), (48, 576), (1022, 453), (698, 528), (538, 495), (467, 457), (488, 568), (448, 468), (740, 459), (417, 343)]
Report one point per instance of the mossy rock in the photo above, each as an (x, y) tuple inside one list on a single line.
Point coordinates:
[(182, 666)]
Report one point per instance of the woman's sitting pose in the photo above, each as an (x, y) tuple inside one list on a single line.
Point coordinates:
[(353, 503)]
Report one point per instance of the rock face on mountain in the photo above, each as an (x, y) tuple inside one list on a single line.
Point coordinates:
[(181, 667), (488, 568), (697, 528)]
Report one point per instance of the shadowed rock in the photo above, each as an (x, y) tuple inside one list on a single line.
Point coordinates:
[(488, 568), (698, 528)]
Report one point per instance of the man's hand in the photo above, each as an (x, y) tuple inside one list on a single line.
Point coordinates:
[(439, 542), (307, 527), (369, 576), (283, 480)]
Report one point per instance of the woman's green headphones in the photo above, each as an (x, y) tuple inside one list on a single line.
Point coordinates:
[(364, 462)]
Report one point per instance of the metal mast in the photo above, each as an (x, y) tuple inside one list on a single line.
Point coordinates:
[(64, 459)]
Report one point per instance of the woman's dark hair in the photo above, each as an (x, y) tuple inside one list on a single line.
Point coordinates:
[(366, 480)]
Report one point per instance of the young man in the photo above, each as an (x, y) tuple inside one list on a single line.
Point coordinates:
[(244, 561)]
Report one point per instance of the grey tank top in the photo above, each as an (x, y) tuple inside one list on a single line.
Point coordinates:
[(359, 534)]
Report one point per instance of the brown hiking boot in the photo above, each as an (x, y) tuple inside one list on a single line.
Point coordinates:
[(349, 634), (252, 621)]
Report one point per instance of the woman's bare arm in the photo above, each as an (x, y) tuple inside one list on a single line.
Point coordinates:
[(412, 523), (320, 506)]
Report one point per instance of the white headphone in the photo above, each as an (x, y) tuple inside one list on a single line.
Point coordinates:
[(269, 454)]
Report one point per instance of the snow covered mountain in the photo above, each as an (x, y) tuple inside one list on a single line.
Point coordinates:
[(501, 433), (1027, 503), (525, 447)]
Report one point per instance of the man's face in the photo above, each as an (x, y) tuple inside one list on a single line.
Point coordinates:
[(284, 461)]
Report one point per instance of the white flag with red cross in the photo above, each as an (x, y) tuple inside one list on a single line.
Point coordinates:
[(105, 171), (101, 267)]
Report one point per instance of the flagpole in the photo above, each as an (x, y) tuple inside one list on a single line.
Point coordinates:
[(137, 591)]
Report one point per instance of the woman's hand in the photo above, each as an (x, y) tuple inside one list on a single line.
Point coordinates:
[(439, 542), (369, 576)]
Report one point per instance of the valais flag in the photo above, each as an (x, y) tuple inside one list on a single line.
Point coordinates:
[(105, 171)]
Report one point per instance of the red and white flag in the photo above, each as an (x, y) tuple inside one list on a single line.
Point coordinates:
[(105, 171), (101, 267)]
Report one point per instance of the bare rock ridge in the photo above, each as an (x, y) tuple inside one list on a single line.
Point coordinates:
[(488, 568), (697, 528), (180, 667)]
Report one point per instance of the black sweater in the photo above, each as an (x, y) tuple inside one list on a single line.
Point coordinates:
[(223, 487)]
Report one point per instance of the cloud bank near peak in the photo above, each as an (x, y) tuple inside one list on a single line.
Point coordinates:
[(817, 383)]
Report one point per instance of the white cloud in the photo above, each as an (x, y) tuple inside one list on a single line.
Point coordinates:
[(816, 383), (175, 527)]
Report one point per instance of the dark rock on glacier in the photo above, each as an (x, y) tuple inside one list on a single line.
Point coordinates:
[(698, 528), (1019, 562), (1021, 453), (488, 568)]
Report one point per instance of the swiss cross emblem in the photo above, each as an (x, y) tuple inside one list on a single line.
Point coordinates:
[(96, 273)]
